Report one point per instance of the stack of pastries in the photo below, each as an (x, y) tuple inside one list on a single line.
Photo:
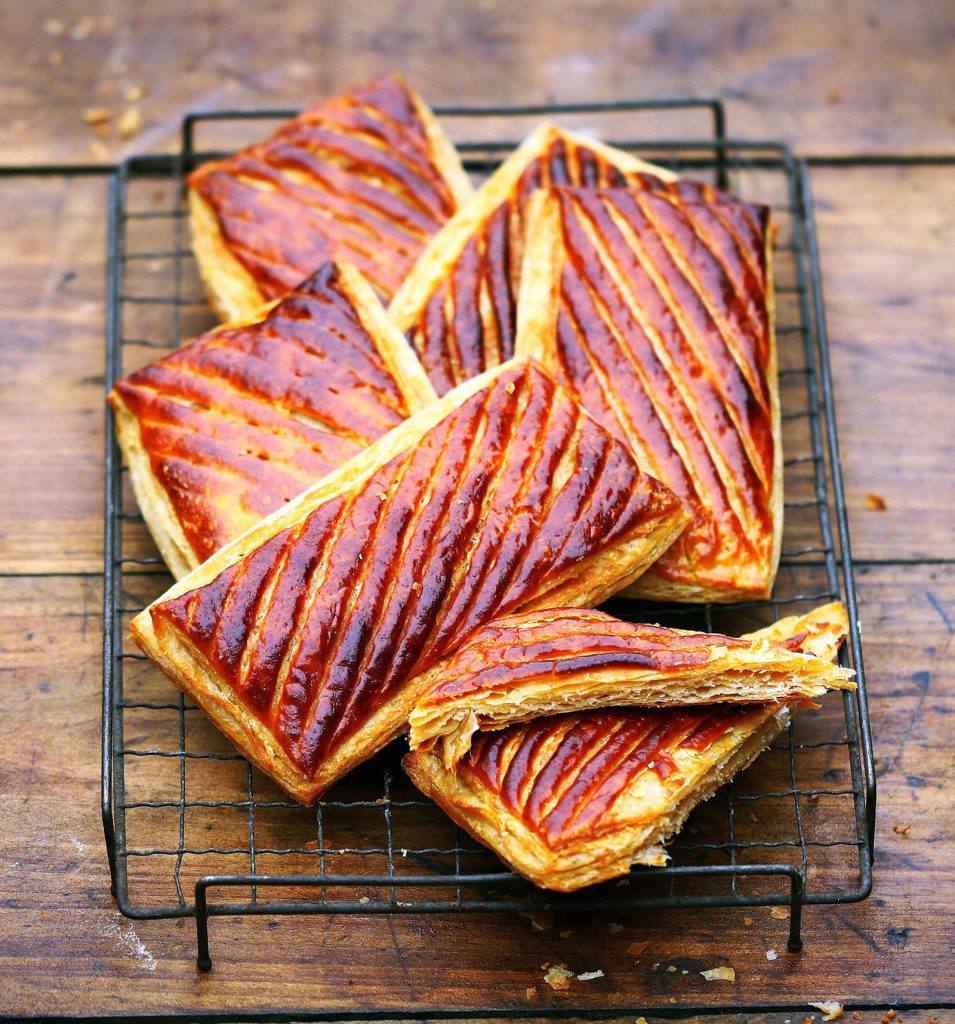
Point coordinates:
[(389, 521)]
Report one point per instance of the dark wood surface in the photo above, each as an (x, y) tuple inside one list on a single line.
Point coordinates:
[(859, 77)]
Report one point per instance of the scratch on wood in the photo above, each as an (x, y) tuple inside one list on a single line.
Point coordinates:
[(402, 959), (856, 930), (939, 607)]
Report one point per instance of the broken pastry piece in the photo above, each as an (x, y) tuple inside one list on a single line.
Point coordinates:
[(228, 428), (571, 800), (458, 305), (521, 667), (366, 178), (653, 306), (302, 640)]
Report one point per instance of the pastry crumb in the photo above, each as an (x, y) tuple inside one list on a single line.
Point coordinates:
[(82, 29), (638, 948), (566, 933), (671, 968), (530, 992), (858, 1016), (771, 954), (748, 921), (53, 27), (590, 975), (558, 978), (901, 830), (640, 1020), (889, 1016), (719, 974), (134, 94), (130, 122), (875, 503), (363, 899), (97, 115), (780, 913), (615, 929), (831, 1010)]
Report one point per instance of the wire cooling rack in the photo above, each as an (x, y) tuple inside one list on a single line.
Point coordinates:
[(188, 819)]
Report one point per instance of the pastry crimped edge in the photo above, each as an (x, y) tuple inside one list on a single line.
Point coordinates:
[(444, 249), (231, 290), (485, 816), (589, 582), (154, 502), (538, 306), (778, 675)]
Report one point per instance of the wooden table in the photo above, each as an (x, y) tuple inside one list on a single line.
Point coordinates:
[(830, 79)]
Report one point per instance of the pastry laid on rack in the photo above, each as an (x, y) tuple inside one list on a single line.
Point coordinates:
[(302, 639), (553, 661), (458, 305), (223, 431), (653, 306), (366, 178), (571, 800)]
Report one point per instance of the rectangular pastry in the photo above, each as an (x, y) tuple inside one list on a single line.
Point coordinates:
[(302, 639), (228, 428), (458, 305), (653, 306), (554, 661), (571, 800), (365, 178)]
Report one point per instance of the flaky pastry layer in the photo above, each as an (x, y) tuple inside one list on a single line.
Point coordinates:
[(458, 305), (366, 178), (574, 799), (653, 305), (304, 638), (525, 666), (230, 427)]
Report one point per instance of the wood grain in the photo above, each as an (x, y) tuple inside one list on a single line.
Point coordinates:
[(804, 72), (60, 927), (870, 76)]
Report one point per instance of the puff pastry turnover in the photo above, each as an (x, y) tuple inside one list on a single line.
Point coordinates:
[(520, 667), (302, 639), (571, 800), (458, 305), (228, 428), (367, 177), (653, 306)]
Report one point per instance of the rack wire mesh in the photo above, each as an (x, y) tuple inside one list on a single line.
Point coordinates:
[(184, 813)]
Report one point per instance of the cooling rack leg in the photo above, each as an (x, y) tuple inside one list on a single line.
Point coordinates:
[(794, 945), (203, 960)]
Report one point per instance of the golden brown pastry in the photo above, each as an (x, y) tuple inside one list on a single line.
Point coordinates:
[(458, 304), (653, 306), (228, 428), (366, 178), (302, 639), (571, 800), (521, 667)]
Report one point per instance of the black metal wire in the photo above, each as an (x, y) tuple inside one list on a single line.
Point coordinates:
[(816, 569)]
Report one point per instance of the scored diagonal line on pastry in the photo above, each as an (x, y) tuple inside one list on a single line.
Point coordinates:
[(573, 799), (561, 660), (366, 177), (528, 502), (226, 429)]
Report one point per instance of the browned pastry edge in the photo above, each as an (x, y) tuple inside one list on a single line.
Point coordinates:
[(231, 289), (529, 665), (586, 582), (538, 308), (158, 509)]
